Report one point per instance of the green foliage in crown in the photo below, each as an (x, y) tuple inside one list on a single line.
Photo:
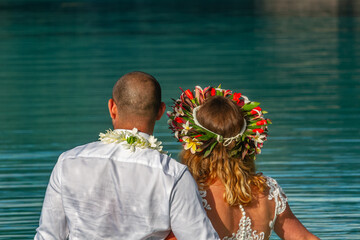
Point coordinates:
[(200, 140)]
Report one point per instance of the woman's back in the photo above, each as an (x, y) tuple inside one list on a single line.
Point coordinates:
[(222, 132), (252, 221)]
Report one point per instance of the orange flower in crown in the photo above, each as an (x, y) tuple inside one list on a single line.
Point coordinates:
[(197, 138)]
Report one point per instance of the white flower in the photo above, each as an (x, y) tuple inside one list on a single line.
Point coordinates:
[(191, 143), (131, 147), (134, 131), (179, 111), (246, 99), (153, 141), (186, 127), (177, 134), (258, 138), (131, 140)]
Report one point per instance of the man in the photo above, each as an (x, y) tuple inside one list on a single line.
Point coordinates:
[(124, 187)]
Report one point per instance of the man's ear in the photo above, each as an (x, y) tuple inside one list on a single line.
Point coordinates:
[(162, 109), (112, 108)]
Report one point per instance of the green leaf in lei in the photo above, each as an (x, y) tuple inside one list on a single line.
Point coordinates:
[(254, 121), (203, 137), (219, 93), (235, 152), (188, 113), (208, 135), (250, 106), (207, 153), (131, 139), (252, 126), (196, 101)]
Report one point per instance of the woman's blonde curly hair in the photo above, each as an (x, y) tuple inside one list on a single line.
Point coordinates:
[(223, 116)]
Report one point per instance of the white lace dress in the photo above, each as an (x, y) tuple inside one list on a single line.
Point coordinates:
[(245, 231)]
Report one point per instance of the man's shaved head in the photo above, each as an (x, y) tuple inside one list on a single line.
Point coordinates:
[(137, 93)]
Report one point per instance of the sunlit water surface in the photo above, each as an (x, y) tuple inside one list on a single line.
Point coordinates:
[(59, 61)]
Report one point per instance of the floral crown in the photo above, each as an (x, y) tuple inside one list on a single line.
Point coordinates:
[(197, 138)]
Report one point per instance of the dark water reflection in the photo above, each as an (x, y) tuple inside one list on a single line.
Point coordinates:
[(59, 60)]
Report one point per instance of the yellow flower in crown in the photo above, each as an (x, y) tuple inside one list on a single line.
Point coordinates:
[(187, 129), (191, 143)]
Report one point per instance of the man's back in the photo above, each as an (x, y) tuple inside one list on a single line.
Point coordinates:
[(106, 191)]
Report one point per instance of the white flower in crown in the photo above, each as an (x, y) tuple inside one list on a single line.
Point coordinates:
[(186, 127), (192, 135), (179, 111), (259, 138), (169, 113), (246, 99)]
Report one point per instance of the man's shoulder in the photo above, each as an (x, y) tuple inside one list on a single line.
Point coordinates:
[(155, 159), (172, 166), (118, 153), (81, 150)]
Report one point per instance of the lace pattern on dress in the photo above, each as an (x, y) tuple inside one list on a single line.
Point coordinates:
[(245, 231), (278, 195), (206, 205)]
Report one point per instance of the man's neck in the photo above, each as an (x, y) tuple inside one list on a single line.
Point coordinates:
[(145, 128), (139, 129)]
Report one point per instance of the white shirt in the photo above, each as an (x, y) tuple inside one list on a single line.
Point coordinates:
[(105, 191)]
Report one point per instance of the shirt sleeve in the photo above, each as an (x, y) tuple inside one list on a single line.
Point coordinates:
[(187, 216), (52, 223)]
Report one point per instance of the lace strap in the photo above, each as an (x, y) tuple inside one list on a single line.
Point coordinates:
[(206, 205), (279, 196)]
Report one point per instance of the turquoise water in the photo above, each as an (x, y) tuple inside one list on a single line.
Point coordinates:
[(59, 61)]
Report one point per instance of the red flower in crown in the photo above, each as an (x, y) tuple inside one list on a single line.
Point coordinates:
[(259, 130), (201, 140), (261, 122), (227, 93), (179, 120), (255, 110), (236, 97), (189, 94)]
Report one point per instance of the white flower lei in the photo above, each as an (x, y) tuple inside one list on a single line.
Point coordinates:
[(131, 140)]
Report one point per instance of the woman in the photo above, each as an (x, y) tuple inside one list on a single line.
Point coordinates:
[(222, 132)]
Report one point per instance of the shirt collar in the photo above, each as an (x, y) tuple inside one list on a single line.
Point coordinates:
[(145, 135)]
